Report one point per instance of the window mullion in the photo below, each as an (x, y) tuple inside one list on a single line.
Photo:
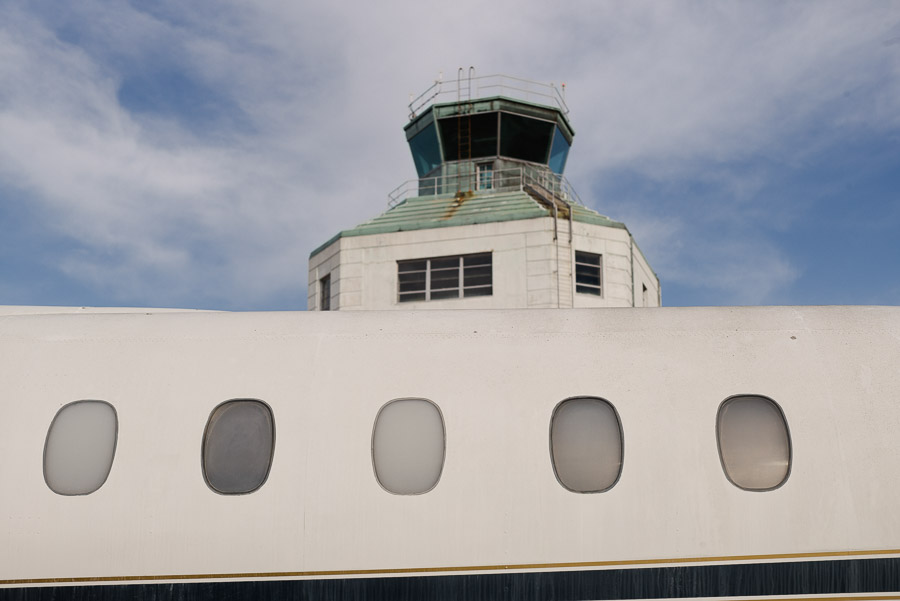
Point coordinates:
[(437, 278)]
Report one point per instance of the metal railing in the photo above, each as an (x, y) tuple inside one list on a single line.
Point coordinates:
[(537, 181), (489, 85)]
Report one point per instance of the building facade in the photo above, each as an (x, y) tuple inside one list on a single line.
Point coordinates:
[(491, 223)]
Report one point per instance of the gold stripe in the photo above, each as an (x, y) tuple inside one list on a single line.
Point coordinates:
[(823, 598), (485, 568)]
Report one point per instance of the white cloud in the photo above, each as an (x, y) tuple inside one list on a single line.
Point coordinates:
[(170, 212), (681, 84), (144, 199)]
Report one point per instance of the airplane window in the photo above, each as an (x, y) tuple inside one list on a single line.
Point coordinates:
[(586, 444), (80, 447), (754, 442), (238, 446), (408, 446)]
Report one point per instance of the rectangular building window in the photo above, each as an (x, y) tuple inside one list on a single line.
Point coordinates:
[(325, 293), (588, 271), (445, 277)]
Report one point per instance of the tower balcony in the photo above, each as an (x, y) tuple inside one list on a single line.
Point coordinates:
[(470, 179)]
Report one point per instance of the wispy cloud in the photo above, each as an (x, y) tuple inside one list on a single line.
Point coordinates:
[(194, 154)]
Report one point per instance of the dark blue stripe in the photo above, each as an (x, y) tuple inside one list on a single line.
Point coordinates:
[(845, 576)]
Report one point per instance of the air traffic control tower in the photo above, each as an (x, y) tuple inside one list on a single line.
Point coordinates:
[(491, 223)]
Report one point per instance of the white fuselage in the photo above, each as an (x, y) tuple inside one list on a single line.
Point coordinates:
[(496, 377)]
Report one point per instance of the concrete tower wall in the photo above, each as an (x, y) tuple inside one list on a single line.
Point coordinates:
[(530, 268)]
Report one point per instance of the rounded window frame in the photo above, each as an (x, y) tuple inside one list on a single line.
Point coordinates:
[(271, 462), (621, 444), (112, 460), (443, 448), (787, 429)]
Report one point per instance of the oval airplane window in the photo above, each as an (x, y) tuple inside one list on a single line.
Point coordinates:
[(238, 445), (586, 444), (80, 447), (408, 446), (754, 442)]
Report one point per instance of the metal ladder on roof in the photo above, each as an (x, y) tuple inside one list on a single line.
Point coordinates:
[(464, 129)]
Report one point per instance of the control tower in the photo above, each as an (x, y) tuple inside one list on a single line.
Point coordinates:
[(490, 223)]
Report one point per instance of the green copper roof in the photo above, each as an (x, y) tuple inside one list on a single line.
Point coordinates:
[(426, 212), (586, 215)]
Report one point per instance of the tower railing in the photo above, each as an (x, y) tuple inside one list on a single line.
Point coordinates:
[(533, 180), (490, 85)]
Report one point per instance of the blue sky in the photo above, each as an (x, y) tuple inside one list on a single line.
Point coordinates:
[(192, 154)]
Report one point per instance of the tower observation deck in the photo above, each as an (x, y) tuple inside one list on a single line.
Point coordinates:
[(491, 222)]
